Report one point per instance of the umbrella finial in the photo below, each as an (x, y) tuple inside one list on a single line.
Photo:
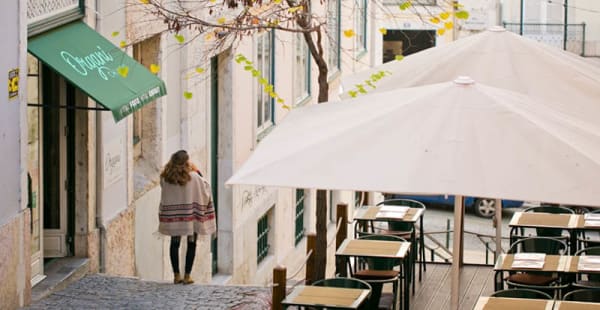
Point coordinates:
[(464, 80), (497, 29)]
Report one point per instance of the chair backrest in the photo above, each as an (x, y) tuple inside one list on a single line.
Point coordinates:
[(588, 294), (382, 263), (402, 202), (548, 245), (521, 293), (343, 282), (401, 226), (550, 232)]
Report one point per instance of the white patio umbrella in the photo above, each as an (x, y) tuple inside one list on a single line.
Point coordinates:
[(498, 58), (457, 138)]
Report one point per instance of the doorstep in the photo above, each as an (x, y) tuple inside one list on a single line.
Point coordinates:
[(59, 273)]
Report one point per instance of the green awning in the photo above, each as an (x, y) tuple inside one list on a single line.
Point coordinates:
[(89, 61)]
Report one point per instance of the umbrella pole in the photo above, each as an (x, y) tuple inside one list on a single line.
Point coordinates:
[(457, 255), (498, 225)]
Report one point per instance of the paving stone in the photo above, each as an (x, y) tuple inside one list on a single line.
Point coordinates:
[(107, 292)]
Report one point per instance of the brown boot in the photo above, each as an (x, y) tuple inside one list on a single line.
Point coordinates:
[(187, 279), (177, 278)]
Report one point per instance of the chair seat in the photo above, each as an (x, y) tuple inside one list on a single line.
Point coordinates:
[(532, 279), (369, 274)]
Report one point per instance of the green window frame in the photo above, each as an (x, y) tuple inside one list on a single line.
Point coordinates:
[(301, 78), (333, 28), (265, 63), (360, 25), (299, 222), (262, 238)]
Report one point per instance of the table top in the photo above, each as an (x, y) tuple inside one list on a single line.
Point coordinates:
[(370, 213), (373, 248), (576, 305), (553, 263), (345, 298), (551, 220), (503, 303)]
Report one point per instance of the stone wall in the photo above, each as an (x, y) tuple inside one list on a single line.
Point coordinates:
[(120, 244), (15, 262)]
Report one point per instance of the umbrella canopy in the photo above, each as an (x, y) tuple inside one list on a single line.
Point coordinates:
[(501, 59), (459, 137)]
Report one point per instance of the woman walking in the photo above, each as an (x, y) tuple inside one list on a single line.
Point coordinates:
[(186, 209)]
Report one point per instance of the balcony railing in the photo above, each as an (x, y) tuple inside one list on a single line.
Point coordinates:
[(43, 15)]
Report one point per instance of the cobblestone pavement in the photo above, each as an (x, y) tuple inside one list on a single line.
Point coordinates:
[(105, 292)]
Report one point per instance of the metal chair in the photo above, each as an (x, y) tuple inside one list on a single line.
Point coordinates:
[(405, 229), (589, 238), (584, 295), (587, 280), (521, 293), (380, 271), (538, 280), (348, 283)]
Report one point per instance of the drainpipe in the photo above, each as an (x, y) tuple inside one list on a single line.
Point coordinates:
[(566, 4), (99, 182)]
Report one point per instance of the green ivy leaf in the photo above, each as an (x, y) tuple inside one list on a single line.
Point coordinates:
[(179, 38), (462, 15)]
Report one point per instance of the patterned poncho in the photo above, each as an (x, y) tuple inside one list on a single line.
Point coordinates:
[(186, 209)]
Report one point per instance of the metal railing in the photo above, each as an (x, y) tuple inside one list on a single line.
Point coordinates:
[(553, 34)]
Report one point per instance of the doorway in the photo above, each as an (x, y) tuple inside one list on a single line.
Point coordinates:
[(406, 42)]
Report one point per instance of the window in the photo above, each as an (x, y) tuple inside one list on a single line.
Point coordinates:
[(299, 215), (301, 69), (264, 64), (360, 25), (262, 242), (333, 28)]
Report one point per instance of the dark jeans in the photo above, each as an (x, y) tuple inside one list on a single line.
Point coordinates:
[(189, 256)]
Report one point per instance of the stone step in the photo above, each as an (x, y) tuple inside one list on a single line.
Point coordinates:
[(60, 272)]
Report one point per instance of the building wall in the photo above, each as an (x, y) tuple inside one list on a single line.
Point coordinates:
[(15, 269)]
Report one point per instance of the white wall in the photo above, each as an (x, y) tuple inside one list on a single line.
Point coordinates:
[(12, 113)]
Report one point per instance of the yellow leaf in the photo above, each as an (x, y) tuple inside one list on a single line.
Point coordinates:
[(444, 15), (200, 70), (434, 20), (462, 15), (213, 1), (122, 44), (285, 106), (349, 33), (277, 1), (221, 20), (114, 33), (398, 57), (405, 5), (179, 38), (154, 68), (123, 71), (383, 31), (187, 95), (441, 31), (145, 1), (209, 36), (448, 25), (295, 9)]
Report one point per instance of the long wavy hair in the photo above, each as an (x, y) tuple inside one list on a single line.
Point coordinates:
[(177, 170)]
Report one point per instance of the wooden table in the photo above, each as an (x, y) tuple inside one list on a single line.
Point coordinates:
[(371, 214), (503, 303), (569, 222), (324, 296), (576, 305), (379, 249)]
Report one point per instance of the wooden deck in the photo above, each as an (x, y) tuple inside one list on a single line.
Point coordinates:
[(433, 292)]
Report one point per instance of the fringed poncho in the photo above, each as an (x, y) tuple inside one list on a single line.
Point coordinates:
[(186, 209)]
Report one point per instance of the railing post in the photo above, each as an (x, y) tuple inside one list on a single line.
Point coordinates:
[(279, 285), (311, 245), (342, 234)]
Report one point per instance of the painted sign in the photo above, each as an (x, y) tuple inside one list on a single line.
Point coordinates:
[(94, 61), (13, 83), (113, 162)]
